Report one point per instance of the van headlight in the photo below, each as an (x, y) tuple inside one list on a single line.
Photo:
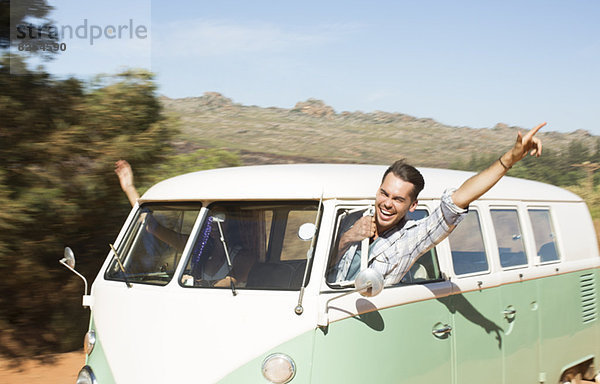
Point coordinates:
[(86, 376), (278, 368), (89, 341)]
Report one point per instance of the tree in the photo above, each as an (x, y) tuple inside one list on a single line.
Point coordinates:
[(22, 13), (58, 143)]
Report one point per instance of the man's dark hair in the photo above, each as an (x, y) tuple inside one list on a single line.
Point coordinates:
[(408, 173)]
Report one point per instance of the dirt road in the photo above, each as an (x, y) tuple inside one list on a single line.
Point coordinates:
[(55, 369), (62, 370)]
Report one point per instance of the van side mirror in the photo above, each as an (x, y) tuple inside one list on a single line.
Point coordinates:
[(69, 262), (69, 257), (307, 231), (368, 283)]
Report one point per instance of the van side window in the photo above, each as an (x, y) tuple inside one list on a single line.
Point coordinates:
[(508, 235), (543, 233), (425, 269), (336, 273), (466, 244)]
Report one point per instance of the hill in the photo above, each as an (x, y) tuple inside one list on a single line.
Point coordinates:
[(312, 131)]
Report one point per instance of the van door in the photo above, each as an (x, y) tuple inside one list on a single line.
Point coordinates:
[(400, 336), (521, 347), (518, 297), (478, 330)]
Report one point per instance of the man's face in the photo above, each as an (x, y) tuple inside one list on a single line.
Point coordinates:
[(392, 202)]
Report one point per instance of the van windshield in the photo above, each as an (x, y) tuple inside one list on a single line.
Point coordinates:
[(254, 244), (153, 244)]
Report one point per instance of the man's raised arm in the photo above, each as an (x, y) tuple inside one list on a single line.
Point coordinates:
[(479, 184)]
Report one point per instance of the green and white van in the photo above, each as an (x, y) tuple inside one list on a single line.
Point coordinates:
[(511, 296)]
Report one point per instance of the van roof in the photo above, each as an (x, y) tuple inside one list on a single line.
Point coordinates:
[(342, 181)]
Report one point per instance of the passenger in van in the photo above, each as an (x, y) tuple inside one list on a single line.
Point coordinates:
[(125, 174), (214, 269), (395, 242), (208, 264)]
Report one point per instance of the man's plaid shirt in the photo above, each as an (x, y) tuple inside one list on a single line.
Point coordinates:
[(397, 249)]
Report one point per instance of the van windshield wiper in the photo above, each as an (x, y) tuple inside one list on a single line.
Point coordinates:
[(121, 266), (220, 218)]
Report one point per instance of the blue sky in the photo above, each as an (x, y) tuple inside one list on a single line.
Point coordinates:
[(463, 63)]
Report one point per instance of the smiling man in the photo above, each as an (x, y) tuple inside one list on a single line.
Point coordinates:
[(395, 242)]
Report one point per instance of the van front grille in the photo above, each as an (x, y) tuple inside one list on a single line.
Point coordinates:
[(588, 297)]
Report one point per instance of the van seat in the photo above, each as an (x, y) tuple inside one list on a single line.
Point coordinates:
[(416, 274), (509, 259), (469, 262), (280, 275), (548, 252)]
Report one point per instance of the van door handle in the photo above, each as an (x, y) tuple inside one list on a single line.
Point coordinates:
[(439, 332), (510, 312)]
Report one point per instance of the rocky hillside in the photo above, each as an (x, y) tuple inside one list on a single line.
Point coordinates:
[(312, 131)]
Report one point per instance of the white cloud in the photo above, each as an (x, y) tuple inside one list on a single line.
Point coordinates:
[(378, 95), (92, 46), (208, 38)]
